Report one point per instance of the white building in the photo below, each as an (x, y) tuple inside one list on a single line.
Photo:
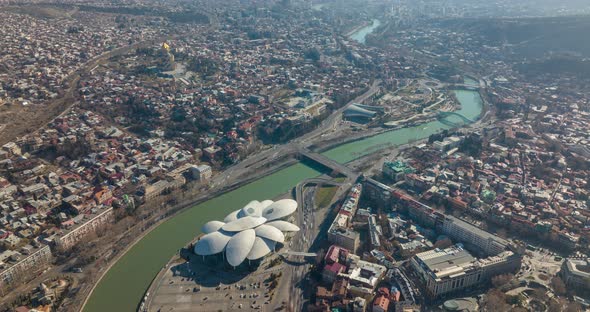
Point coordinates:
[(246, 234)]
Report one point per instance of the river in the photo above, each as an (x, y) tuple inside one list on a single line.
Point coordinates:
[(124, 284), (360, 35)]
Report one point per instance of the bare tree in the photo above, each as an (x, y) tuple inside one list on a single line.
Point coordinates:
[(495, 300), (554, 306), (558, 286), (501, 232), (443, 243), (501, 280), (574, 307)]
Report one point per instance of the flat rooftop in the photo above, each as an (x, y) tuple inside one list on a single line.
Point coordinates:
[(439, 260), (477, 231), (580, 267)]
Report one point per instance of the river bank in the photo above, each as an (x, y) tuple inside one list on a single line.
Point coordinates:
[(122, 287), (360, 34)]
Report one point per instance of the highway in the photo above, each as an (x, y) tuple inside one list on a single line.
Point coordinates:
[(336, 116), (290, 288), (309, 218), (256, 161)]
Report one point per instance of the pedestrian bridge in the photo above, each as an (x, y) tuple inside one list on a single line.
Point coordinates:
[(465, 86), (444, 114), (298, 253)]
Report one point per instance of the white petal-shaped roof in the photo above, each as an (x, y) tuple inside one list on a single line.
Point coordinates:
[(239, 247), (266, 203), (253, 208), (270, 233), (279, 209), (243, 224), (212, 243), (212, 226), (284, 226), (261, 248), (233, 216)]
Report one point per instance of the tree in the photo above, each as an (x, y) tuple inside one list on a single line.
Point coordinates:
[(558, 286), (514, 299), (539, 294), (443, 243), (494, 300), (574, 307), (313, 54), (501, 280), (501, 232), (554, 306)]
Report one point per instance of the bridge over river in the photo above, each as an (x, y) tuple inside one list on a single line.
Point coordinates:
[(326, 162), (444, 114)]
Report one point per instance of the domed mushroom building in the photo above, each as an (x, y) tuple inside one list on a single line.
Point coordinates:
[(248, 233)]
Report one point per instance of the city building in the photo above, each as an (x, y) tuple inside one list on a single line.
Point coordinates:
[(245, 233), (396, 170), (473, 236), (37, 260), (340, 232), (446, 271), (201, 172), (381, 303), (374, 232), (576, 273), (83, 225), (364, 275), (344, 237)]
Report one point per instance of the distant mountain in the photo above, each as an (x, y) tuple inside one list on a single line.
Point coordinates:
[(533, 37)]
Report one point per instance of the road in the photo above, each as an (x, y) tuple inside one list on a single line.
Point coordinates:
[(336, 116), (290, 288), (294, 281), (259, 159)]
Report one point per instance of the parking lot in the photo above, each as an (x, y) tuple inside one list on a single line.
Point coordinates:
[(195, 287)]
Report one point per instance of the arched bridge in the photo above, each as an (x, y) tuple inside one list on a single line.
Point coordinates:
[(444, 114)]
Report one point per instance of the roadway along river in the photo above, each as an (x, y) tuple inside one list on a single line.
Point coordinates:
[(123, 286)]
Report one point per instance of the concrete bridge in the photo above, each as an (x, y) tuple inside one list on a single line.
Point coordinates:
[(324, 161)]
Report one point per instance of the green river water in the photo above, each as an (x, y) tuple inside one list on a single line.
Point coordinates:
[(123, 286), (361, 34)]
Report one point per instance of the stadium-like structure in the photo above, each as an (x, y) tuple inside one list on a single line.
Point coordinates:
[(248, 233)]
